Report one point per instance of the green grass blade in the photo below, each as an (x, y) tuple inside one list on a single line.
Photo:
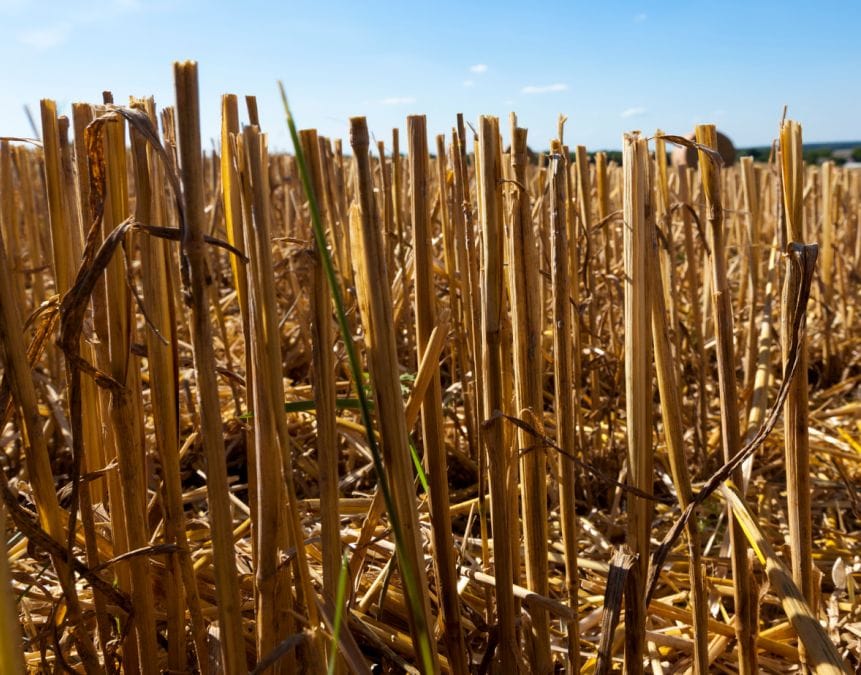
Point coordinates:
[(340, 605), (408, 574)]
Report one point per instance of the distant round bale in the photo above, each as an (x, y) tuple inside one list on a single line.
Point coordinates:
[(683, 156)]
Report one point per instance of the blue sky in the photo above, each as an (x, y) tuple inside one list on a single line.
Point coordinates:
[(610, 66)]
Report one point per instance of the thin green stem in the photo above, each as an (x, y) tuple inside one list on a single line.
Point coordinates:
[(408, 573)]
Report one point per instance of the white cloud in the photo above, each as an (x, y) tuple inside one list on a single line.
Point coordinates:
[(544, 89), (639, 18), (636, 111), (53, 26), (398, 100), (45, 38), (478, 68), (469, 83)]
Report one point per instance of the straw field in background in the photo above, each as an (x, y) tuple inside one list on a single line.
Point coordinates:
[(423, 404)]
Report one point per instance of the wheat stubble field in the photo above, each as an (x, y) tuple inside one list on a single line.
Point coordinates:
[(423, 404)]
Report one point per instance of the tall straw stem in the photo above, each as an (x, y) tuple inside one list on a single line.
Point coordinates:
[(671, 414), (323, 381), (795, 414), (638, 378), (730, 436), (695, 323), (196, 281), (753, 219), (492, 305), (584, 204), (396, 479), (433, 433), (566, 431), (525, 290), (829, 216), (126, 406)]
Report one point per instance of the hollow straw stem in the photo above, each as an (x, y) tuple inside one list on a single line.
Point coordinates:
[(828, 200), (638, 379), (589, 260), (525, 289), (795, 418), (126, 406), (396, 478), (566, 432), (491, 306), (265, 321), (433, 434), (425, 648), (323, 381), (695, 322), (159, 301), (728, 390), (750, 195), (212, 439), (236, 213), (671, 414), (763, 375)]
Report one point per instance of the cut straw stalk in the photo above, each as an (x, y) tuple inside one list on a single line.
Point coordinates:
[(196, 280), (638, 380), (586, 338), (126, 405), (234, 217), (829, 218), (671, 414), (525, 289), (161, 357), (566, 432), (323, 380), (763, 375), (492, 306), (796, 410), (753, 219), (384, 370), (277, 503), (269, 532), (730, 436), (433, 435), (92, 437)]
